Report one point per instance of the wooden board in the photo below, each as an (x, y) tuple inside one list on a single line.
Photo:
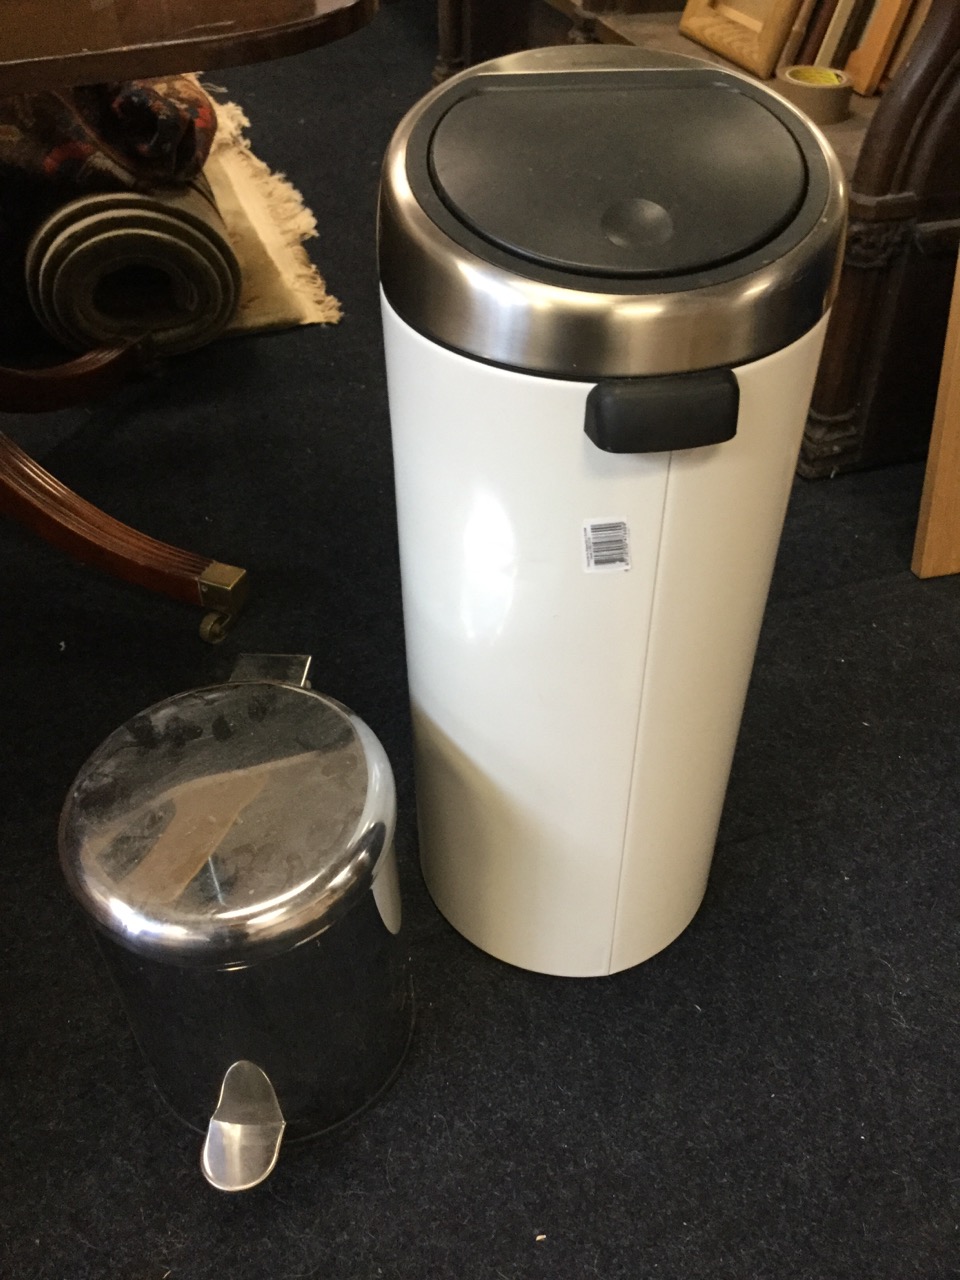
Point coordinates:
[(834, 33), (795, 36), (937, 548), (868, 62)]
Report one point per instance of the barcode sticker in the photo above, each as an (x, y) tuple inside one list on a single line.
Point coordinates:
[(606, 545)]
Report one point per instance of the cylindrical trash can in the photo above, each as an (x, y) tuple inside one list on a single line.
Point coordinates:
[(234, 847), (606, 275)]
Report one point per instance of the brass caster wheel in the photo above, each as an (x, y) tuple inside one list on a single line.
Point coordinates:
[(215, 626), (223, 590)]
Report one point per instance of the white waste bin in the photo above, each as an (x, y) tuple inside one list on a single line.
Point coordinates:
[(606, 276)]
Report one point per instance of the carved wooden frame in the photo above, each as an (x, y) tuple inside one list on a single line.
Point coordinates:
[(750, 33)]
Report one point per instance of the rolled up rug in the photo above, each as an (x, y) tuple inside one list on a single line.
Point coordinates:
[(113, 267), (108, 229)]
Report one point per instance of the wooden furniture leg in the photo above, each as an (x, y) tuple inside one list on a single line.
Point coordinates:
[(937, 548), (86, 378), (450, 34), (33, 497), (472, 31)]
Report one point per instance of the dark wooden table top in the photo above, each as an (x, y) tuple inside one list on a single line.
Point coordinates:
[(46, 44)]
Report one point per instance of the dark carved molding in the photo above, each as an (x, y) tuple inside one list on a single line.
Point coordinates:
[(583, 30), (872, 246), (829, 445)]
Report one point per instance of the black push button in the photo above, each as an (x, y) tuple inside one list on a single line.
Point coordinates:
[(655, 415)]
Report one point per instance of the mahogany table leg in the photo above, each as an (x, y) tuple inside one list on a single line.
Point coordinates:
[(86, 377), (34, 498)]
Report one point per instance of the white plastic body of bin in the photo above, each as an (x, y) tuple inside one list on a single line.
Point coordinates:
[(574, 729)]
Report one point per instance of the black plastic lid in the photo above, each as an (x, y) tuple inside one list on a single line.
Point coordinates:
[(618, 180)]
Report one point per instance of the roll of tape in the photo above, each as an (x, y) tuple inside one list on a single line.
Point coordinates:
[(822, 93)]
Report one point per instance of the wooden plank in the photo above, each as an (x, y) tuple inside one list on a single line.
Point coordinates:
[(834, 33), (937, 548), (799, 29), (867, 64)]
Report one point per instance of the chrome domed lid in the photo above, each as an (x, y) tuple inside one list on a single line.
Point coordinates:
[(228, 823), (607, 211)]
